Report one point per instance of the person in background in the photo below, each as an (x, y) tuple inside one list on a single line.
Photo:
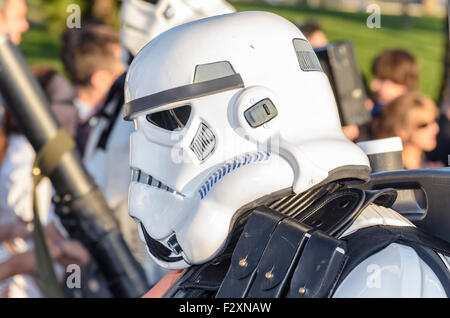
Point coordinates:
[(21, 264), (13, 19), (91, 56), (395, 72), (17, 258), (314, 33), (442, 151), (317, 38), (60, 94), (412, 117)]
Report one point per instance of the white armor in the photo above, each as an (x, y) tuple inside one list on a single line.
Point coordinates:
[(206, 122), (396, 271)]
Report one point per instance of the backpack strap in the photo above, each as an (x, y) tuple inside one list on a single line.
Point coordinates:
[(111, 110)]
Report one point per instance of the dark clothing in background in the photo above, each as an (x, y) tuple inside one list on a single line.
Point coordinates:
[(56, 87), (443, 142), (83, 131), (365, 132), (377, 109), (60, 93)]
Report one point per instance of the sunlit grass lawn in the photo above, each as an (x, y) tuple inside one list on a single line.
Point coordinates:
[(424, 38), (41, 47)]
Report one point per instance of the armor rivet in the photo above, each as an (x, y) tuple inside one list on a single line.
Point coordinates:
[(302, 290), (269, 275), (243, 262), (36, 171)]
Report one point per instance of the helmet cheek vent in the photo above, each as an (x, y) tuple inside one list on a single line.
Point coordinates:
[(204, 142)]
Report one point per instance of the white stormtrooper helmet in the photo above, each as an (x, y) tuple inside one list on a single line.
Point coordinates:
[(229, 112), (142, 20)]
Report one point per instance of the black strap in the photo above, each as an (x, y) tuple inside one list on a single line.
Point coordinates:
[(46, 161), (112, 109), (248, 252), (336, 212), (110, 112), (278, 260), (201, 281), (182, 93), (319, 268), (368, 241), (432, 259)]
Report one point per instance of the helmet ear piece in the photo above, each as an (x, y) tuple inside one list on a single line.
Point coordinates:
[(256, 113)]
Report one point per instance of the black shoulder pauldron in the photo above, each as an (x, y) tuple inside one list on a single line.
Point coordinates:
[(263, 261), (290, 247)]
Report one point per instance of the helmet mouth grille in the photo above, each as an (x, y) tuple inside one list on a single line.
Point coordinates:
[(204, 142), (158, 249)]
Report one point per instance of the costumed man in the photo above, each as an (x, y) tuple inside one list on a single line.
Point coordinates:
[(243, 182), (107, 148)]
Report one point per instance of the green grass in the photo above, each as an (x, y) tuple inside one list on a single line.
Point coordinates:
[(41, 48), (423, 36)]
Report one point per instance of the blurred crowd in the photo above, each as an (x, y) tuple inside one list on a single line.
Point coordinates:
[(92, 59), (91, 56), (398, 108)]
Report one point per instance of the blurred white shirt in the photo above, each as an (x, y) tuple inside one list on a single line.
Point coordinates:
[(16, 200)]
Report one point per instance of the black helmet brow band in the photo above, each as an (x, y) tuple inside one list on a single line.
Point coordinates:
[(182, 93)]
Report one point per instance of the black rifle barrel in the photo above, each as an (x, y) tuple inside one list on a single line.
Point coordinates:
[(87, 216)]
